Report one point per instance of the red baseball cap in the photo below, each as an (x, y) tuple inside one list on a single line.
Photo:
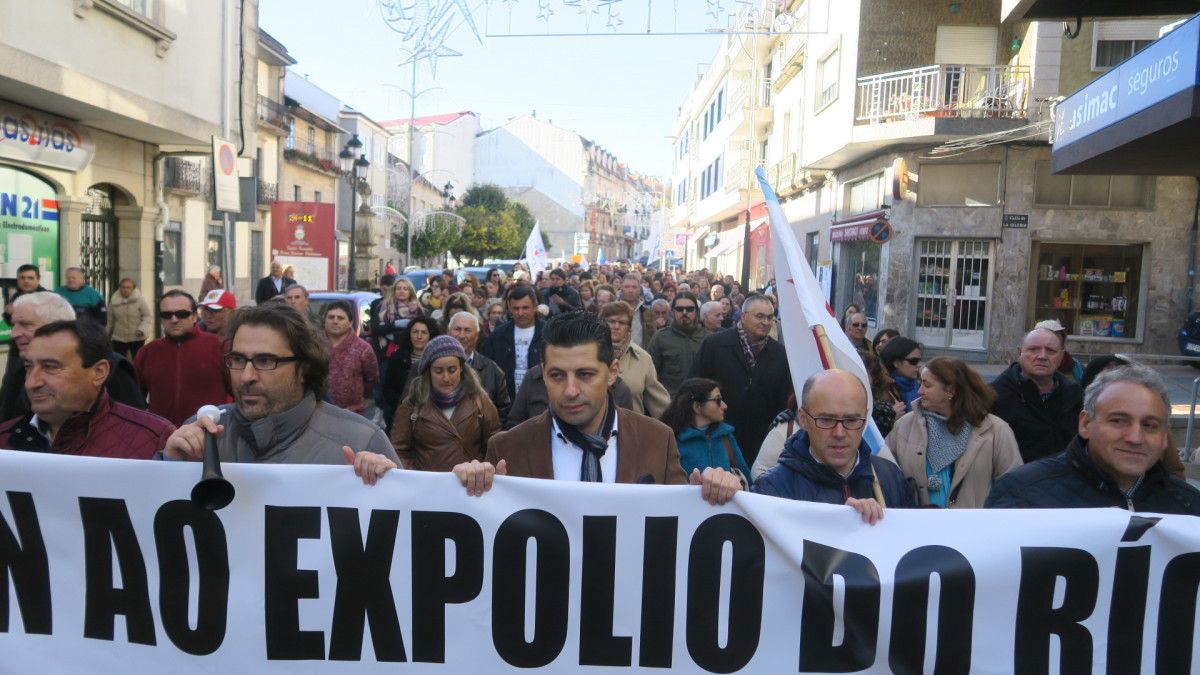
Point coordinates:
[(218, 299)]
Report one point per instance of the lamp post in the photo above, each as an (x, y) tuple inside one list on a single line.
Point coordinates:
[(350, 168)]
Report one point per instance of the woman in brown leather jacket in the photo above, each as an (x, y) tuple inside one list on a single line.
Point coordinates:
[(446, 418)]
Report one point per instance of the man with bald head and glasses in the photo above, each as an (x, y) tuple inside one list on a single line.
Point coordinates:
[(827, 461)]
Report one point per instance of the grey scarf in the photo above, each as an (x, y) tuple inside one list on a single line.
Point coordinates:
[(274, 433), (944, 447)]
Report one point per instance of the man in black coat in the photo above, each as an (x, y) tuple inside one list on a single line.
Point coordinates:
[(1040, 405), (523, 334), (272, 285), (755, 388), (560, 297), (1115, 459), (464, 327)]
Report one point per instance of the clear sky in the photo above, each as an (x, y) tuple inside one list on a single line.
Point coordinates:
[(622, 91)]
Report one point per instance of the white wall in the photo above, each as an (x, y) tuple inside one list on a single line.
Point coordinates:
[(527, 152), (104, 62), (830, 128)]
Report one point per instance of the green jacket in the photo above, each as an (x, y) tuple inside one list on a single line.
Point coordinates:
[(673, 351)]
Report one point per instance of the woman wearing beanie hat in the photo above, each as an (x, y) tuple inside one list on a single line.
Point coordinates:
[(446, 417)]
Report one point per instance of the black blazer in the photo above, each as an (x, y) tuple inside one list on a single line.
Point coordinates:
[(266, 289), (501, 348)]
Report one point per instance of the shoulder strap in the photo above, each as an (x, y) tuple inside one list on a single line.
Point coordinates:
[(729, 452), (876, 487)]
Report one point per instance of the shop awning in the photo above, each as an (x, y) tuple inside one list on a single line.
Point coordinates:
[(1063, 10), (1140, 118), (729, 240), (857, 228)]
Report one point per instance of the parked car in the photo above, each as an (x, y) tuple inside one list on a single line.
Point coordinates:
[(420, 277), (360, 299)]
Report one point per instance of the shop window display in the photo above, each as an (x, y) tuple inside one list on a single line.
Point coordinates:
[(1093, 290)]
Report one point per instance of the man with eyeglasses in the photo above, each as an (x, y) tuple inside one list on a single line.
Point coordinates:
[(674, 348), (182, 370), (752, 369), (280, 375), (827, 461)]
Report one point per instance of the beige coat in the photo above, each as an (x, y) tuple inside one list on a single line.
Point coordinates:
[(637, 371), (127, 317), (991, 452)]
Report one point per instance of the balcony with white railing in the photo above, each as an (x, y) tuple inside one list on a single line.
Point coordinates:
[(956, 91), (788, 59)]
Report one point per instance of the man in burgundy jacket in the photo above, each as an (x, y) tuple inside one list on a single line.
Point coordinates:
[(185, 368), (66, 366)]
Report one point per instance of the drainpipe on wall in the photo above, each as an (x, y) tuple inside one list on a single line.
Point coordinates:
[(1191, 273), (164, 216)]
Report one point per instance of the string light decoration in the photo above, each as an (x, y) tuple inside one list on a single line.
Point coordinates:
[(426, 25), (581, 18)]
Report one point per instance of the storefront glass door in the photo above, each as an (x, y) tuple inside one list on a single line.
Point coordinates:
[(953, 282)]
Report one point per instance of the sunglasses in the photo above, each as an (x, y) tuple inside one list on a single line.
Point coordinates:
[(685, 309), (180, 314), (858, 325), (912, 360)]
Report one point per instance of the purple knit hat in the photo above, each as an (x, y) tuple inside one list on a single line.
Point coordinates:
[(442, 345)]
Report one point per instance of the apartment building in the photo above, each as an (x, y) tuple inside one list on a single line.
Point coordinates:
[(443, 148), (720, 135), (909, 142), (87, 133)]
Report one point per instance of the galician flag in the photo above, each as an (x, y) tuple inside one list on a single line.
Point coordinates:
[(535, 252), (600, 259), (808, 328)]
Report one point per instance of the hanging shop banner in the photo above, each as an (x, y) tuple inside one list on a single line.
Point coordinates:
[(28, 227), (302, 237), (31, 136), (108, 567)]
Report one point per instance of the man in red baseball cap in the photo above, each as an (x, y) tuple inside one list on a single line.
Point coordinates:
[(215, 309)]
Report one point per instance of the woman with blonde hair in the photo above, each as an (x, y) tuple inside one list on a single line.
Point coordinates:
[(636, 367), (446, 417), (949, 446), (395, 312)]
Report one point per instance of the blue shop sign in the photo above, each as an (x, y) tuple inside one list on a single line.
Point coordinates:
[(1161, 70)]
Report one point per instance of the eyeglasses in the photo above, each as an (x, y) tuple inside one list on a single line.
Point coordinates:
[(858, 325), (848, 423), (180, 314), (685, 308), (716, 399), (912, 360), (261, 362)]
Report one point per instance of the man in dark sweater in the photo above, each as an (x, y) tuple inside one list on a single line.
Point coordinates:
[(1038, 402)]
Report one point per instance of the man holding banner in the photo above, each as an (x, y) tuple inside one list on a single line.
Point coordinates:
[(827, 461), (583, 435), (1114, 461), (280, 373)]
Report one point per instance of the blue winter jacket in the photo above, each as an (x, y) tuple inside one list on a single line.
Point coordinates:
[(702, 448), (799, 476)]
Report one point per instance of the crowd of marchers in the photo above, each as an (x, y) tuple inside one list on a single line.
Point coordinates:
[(609, 374)]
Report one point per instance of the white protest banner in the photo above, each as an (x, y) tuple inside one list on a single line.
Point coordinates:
[(105, 567), (535, 252)]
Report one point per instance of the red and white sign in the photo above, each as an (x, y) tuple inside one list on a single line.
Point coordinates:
[(30, 136), (302, 236), (225, 176)]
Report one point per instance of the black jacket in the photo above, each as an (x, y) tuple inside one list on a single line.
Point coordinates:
[(501, 348), (570, 295), (754, 398), (121, 385), (491, 377), (1071, 479), (1042, 428), (266, 289)]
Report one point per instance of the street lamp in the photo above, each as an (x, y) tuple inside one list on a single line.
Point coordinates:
[(350, 168)]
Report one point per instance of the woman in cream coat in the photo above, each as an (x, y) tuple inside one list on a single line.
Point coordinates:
[(636, 367), (129, 319), (949, 446)]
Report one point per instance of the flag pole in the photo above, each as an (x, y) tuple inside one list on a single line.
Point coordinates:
[(824, 347)]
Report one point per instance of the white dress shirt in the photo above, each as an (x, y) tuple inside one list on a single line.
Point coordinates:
[(568, 457)]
